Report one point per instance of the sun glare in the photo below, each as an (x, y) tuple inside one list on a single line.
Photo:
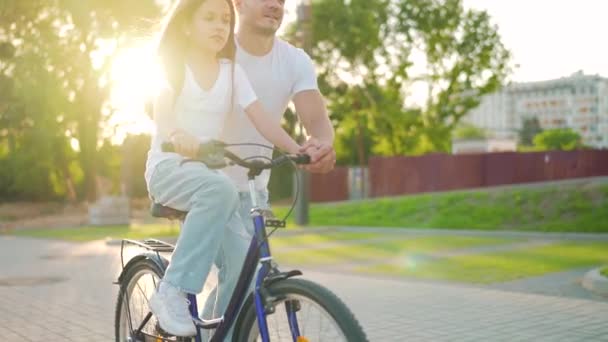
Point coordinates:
[(135, 80)]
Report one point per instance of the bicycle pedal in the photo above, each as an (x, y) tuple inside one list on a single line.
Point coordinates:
[(274, 223)]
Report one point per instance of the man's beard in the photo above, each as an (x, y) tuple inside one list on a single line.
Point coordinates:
[(264, 31)]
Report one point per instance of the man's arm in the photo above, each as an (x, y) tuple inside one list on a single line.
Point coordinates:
[(311, 109)]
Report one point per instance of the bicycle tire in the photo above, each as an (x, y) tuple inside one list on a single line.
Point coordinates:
[(327, 300)]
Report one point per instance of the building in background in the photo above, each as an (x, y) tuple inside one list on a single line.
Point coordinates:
[(579, 102)]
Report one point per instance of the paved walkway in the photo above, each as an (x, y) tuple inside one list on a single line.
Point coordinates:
[(80, 305), (562, 284)]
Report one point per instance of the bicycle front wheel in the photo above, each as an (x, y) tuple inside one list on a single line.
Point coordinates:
[(320, 315)]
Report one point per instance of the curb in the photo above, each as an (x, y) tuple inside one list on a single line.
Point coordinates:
[(113, 242), (595, 282)]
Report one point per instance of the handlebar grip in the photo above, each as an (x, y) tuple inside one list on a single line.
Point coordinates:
[(302, 159)]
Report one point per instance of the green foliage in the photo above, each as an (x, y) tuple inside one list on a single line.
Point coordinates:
[(367, 52), (281, 183), (54, 89), (558, 139), (466, 131), (134, 153), (530, 128)]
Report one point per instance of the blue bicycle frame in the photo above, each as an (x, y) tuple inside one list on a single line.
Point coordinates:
[(258, 253)]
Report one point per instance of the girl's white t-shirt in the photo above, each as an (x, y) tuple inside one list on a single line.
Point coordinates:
[(201, 112)]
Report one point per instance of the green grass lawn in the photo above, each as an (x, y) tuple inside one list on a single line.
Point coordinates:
[(553, 209), (89, 233), (604, 271), (499, 267), (380, 250), (318, 238)]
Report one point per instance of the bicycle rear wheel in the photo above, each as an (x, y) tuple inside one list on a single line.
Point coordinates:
[(132, 310), (320, 314)]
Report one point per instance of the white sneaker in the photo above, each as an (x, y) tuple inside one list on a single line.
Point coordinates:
[(170, 307)]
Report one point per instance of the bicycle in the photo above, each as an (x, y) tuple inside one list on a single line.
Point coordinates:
[(279, 307)]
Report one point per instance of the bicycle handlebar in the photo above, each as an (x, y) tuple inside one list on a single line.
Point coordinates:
[(218, 147)]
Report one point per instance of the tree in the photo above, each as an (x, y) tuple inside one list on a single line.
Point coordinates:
[(133, 164), (35, 151), (558, 139), (530, 128), (369, 54), (68, 44)]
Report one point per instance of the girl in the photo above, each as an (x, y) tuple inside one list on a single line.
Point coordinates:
[(197, 52)]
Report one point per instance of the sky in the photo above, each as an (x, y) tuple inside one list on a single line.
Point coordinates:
[(551, 38), (548, 38)]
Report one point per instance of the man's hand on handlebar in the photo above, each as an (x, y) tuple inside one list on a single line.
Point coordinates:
[(322, 156)]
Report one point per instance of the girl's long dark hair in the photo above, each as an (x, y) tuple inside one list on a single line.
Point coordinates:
[(173, 43)]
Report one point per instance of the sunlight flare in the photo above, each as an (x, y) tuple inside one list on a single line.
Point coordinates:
[(136, 78)]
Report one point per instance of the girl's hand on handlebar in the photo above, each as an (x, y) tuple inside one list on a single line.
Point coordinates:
[(184, 143)]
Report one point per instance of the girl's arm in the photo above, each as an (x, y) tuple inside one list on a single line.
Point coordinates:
[(270, 129), (263, 122), (166, 127), (162, 109)]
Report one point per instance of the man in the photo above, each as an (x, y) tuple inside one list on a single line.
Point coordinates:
[(279, 73)]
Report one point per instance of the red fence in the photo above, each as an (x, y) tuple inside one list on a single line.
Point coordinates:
[(330, 187), (389, 176), (440, 172)]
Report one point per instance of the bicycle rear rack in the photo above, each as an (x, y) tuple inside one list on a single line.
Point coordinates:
[(152, 245)]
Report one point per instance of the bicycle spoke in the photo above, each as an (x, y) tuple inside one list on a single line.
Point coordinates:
[(136, 307), (313, 321)]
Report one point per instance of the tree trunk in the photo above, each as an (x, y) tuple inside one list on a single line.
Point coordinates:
[(88, 141), (88, 128), (361, 154)]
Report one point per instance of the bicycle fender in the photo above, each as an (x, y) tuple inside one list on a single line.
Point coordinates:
[(273, 278), (161, 262)]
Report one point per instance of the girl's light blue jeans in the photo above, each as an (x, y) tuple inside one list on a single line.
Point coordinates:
[(217, 230)]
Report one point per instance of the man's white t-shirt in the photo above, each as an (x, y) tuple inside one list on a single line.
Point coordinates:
[(275, 78), (201, 112)]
